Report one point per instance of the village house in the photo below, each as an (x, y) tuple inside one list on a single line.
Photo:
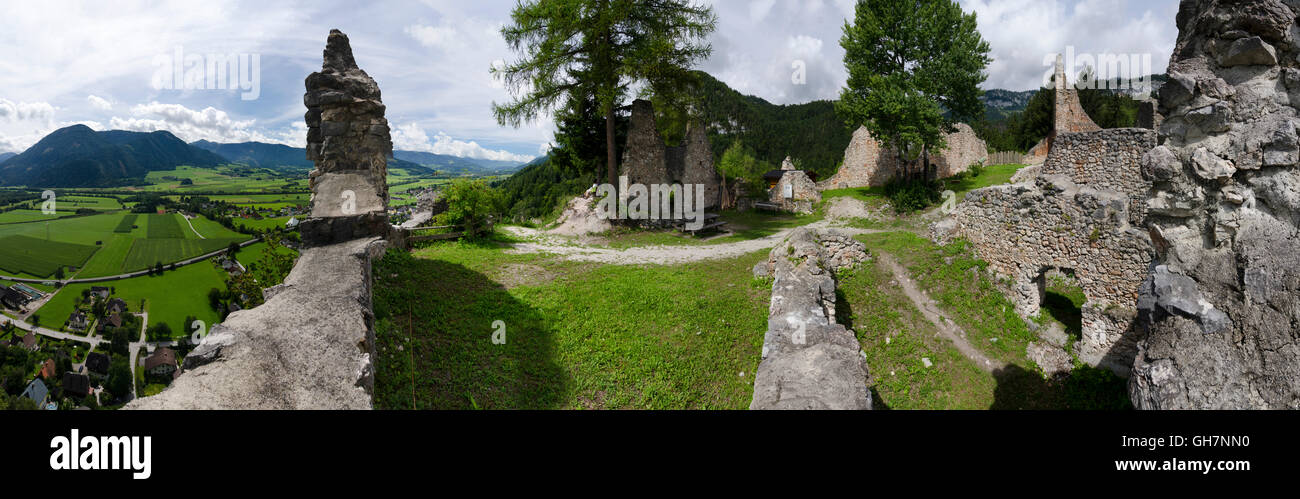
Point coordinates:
[(49, 369), (76, 385), (162, 362), (101, 291), (37, 392), (29, 342), (116, 306), (97, 363), (77, 321)]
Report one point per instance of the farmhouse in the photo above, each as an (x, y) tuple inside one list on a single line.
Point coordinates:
[(100, 291), (77, 321), (161, 363)]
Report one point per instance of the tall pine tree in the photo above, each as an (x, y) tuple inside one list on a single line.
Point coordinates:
[(598, 49)]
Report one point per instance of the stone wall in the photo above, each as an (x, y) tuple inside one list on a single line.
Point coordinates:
[(809, 361), (1068, 116), (311, 345), (348, 139), (868, 164), (1106, 159), (1025, 230), (647, 160), (1223, 298)]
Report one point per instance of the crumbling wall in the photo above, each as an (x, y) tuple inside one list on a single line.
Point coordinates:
[(648, 161), (311, 345), (868, 164), (1068, 115), (1106, 159), (1024, 230), (1223, 297), (809, 361)]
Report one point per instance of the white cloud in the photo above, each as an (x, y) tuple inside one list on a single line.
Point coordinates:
[(99, 103), (207, 124), (23, 111), (443, 37), (410, 137)]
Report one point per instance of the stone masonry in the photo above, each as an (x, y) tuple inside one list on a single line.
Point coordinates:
[(1106, 159), (647, 160), (804, 195), (809, 361), (868, 164), (1026, 230), (348, 139), (311, 345), (1223, 297)]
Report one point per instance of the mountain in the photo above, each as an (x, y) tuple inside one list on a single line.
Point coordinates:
[(77, 156), (999, 104), (456, 164), (6, 155), (259, 154)]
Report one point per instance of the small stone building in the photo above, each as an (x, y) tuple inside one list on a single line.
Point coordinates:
[(793, 190)]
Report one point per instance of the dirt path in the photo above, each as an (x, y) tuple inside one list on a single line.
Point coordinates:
[(580, 251), (941, 321)]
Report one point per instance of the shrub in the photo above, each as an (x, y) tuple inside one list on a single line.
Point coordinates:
[(472, 204), (912, 195)]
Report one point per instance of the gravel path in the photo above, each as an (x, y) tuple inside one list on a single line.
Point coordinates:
[(580, 251)]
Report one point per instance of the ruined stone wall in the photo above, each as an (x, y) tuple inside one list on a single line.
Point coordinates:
[(1070, 116), (1024, 230), (1223, 298), (804, 193), (1106, 159), (868, 164), (311, 345), (809, 361), (647, 160)]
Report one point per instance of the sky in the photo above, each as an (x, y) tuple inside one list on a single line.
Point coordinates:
[(113, 65)]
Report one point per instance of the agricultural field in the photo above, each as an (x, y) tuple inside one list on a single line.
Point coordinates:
[(40, 257), (146, 253), (222, 179), (168, 298), (165, 227), (73, 203), (263, 224), (25, 216)]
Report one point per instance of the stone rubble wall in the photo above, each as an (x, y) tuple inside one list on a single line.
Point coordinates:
[(1223, 299), (1106, 159), (868, 164), (809, 361), (647, 160), (1024, 230)]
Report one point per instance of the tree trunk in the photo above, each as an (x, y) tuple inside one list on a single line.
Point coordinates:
[(611, 160)]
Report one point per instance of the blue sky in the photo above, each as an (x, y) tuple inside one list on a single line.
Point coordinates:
[(96, 63)]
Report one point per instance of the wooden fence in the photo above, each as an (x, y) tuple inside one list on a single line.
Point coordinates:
[(1006, 158)]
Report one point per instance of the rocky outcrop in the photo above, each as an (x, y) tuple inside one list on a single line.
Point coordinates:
[(1223, 298), (648, 161), (867, 163), (348, 139), (312, 344), (809, 361)]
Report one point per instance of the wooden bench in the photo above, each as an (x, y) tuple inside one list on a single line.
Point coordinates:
[(764, 205)]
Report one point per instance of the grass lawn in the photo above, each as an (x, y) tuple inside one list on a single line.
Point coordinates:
[(957, 281), (169, 298), (874, 197), (577, 335)]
